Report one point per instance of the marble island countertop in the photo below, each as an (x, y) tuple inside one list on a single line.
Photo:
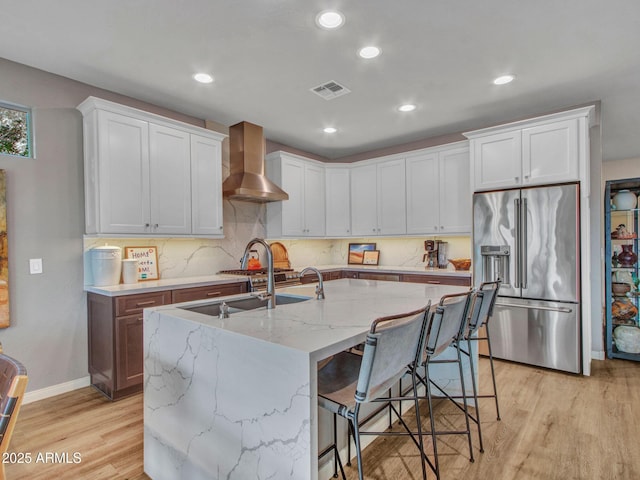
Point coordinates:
[(205, 280), (244, 387), (341, 320)]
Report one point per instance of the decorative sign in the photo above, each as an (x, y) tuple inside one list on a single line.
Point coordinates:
[(370, 257), (147, 261), (4, 255)]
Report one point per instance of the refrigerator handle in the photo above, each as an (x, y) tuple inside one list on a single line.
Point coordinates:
[(523, 242), (517, 242)]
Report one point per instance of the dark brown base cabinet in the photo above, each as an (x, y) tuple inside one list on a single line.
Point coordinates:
[(115, 334), (410, 277)]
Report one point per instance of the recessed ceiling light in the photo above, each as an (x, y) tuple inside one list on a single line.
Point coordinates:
[(369, 52), (407, 107), (203, 78), (330, 130), (330, 19), (504, 79)]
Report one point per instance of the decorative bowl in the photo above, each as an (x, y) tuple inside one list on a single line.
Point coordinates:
[(461, 263), (620, 288)]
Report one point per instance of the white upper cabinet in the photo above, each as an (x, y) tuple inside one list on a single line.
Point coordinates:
[(497, 160), (206, 179), (378, 203), (149, 175), (438, 191), (169, 171), (549, 149), (303, 215), (550, 152), (338, 201)]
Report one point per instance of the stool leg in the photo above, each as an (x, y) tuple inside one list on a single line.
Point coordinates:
[(475, 394), (493, 373), (356, 438), (336, 454), (432, 422), (464, 402)]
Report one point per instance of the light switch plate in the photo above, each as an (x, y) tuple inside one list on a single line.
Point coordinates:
[(35, 265)]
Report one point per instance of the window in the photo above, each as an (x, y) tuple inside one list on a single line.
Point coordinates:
[(15, 130)]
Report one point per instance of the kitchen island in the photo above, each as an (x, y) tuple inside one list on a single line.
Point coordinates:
[(235, 398)]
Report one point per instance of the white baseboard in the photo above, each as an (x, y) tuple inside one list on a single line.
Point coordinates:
[(597, 354), (54, 390)]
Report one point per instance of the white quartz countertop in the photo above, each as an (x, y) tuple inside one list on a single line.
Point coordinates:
[(395, 269), (165, 284), (204, 280), (318, 327)]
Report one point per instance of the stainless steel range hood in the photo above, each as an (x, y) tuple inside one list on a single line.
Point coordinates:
[(247, 180)]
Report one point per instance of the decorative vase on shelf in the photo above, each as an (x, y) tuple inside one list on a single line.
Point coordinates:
[(627, 258), (625, 200)]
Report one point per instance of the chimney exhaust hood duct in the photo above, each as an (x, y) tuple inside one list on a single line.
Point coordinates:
[(247, 180)]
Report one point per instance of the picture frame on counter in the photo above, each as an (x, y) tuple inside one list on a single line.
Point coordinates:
[(356, 252), (147, 261), (371, 257)]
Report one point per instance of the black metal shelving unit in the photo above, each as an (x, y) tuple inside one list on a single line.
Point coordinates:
[(631, 218)]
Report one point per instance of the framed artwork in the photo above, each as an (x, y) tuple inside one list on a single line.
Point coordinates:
[(371, 257), (147, 261), (4, 255), (356, 252)]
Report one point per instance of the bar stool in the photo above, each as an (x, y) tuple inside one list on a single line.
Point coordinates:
[(350, 380), (444, 328), (481, 312)]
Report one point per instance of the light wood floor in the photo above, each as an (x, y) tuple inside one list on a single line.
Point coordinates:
[(554, 426)]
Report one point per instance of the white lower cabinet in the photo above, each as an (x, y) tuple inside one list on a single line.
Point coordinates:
[(438, 192), (378, 205), (303, 214), (149, 175)]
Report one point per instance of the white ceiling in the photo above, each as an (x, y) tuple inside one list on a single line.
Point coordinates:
[(265, 55)]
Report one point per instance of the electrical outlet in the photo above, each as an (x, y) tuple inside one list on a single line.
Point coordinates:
[(35, 265)]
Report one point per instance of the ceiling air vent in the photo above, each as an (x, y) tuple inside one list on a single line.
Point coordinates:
[(330, 90)]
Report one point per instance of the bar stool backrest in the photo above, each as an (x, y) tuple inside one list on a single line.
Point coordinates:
[(393, 343), (482, 308), (13, 383), (446, 322)]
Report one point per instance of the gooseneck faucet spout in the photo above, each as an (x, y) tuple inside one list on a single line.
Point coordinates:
[(320, 286), (271, 294)]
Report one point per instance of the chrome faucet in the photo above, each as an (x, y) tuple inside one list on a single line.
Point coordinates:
[(271, 294), (320, 286)]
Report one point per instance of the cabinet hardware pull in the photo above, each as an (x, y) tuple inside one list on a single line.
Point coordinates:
[(435, 282), (213, 294), (142, 304)]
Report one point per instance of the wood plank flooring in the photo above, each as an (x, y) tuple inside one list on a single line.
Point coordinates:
[(554, 426)]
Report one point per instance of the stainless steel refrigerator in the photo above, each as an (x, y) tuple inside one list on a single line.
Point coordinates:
[(530, 239)]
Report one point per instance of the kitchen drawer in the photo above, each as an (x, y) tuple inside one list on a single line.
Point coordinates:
[(438, 280), (132, 304), (389, 277), (210, 291)]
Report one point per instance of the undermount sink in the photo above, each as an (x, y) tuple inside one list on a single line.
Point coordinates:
[(243, 304)]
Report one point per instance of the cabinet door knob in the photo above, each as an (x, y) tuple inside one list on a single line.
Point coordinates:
[(516, 178), (147, 225)]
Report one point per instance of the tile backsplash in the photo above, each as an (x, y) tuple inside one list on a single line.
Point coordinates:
[(189, 257)]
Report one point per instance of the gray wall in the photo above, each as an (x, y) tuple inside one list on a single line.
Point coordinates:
[(45, 219)]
